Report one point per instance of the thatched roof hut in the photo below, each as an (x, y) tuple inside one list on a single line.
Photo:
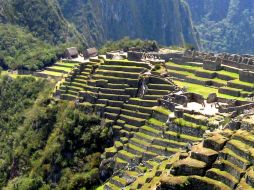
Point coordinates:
[(90, 52), (71, 52)]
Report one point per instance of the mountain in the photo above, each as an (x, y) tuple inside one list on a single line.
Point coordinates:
[(41, 17), (167, 22), (224, 25), (86, 23)]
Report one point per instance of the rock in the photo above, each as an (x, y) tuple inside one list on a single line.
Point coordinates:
[(212, 98)]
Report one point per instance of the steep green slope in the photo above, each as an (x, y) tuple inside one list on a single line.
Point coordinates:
[(19, 49), (224, 25), (41, 17), (45, 143)]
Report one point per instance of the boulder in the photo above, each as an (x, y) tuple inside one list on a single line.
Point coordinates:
[(212, 98)]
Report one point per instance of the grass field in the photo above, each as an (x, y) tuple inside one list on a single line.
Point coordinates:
[(204, 90)]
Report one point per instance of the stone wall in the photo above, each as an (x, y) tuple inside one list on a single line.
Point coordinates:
[(246, 76)]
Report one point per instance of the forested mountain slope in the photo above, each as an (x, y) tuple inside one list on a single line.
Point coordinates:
[(224, 25), (167, 22)]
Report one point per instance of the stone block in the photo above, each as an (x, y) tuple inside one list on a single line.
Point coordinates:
[(246, 76), (212, 65)]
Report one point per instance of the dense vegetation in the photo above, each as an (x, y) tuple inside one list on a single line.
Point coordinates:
[(19, 49), (225, 25), (46, 144), (126, 43), (41, 17)]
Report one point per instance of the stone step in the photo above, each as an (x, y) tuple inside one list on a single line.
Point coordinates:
[(128, 157), (115, 110), (156, 124), (131, 128), (227, 166), (177, 136), (138, 108), (77, 80), (127, 134), (142, 102), (205, 183), (189, 166), (144, 137), (135, 114), (152, 97), (184, 127), (169, 143), (75, 84), (91, 88), (113, 91), (229, 155), (150, 131), (127, 63), (215, 142), (139, 143), (115, 103), (117, 80), (241, 149), (244, 136), (118, 74), (163, 151), (167, 87), (82, 77), (111, 116), (116, 130), (117, 86), (203, 154), (132, 120), (113, 97), (157, 92), (122, 68), (119, 182), (222, 176), (136, 150)]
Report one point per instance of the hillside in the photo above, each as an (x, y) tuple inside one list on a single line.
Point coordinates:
[(224, 25), (87, 23), (167, 22), (41, 17), (19, 49)]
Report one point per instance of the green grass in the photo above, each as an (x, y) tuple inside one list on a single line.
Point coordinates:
[(237, 81), (162, 110), (184, 123), (204, 90), (67, 69), (227, 73), (196, 68), (53, 73), (67, 64), (183, 136), (156, 122)]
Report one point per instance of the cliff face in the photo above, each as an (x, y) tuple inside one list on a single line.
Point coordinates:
[(224, 25), (166, 21), (93, 22)]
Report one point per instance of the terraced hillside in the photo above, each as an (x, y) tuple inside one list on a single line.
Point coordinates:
[(57, 70), (225, 83), (157, 147)]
